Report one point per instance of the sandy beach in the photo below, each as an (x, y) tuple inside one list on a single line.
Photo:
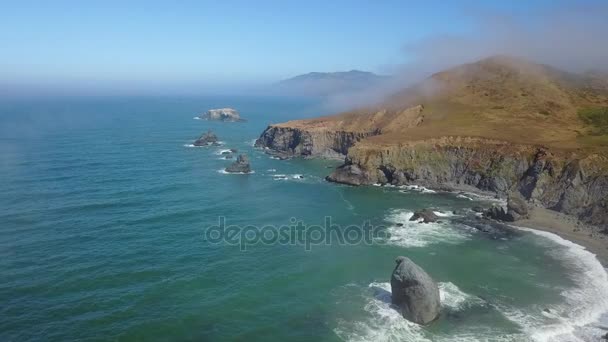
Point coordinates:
[(569, 228)]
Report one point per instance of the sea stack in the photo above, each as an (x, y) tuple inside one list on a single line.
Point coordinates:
[(241, 165), (207, 139), (414, 292), (222, 114)]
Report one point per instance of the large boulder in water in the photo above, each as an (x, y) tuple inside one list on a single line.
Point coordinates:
[(426, 215), (414, 292), (207, 139), (241, 165)]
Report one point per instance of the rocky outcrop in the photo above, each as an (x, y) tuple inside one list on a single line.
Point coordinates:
[(517, 209), (424, 215), (287, 142), (241, 165), (414, 292), (563, 181), (207, 139), (350, 174), (222, 114)]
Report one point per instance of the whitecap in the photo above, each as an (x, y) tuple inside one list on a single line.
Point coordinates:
[(223, 171), (385, 323), (416, 234), (443, 213), (220, 152), (271, 170), (584, 304), (197, 118), (280, 176), (417, 188), (474, 196)]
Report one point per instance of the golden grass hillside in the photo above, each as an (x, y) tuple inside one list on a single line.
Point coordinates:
[(500, 97)]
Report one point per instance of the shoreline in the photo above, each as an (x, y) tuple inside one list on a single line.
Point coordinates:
[(569, 228), (543, 219)]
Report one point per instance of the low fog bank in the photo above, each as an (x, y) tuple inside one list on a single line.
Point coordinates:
[(571, 37)]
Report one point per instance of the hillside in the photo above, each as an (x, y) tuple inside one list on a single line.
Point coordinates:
[(500, 98), (501, 124)]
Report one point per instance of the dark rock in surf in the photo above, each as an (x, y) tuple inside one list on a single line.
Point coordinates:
[(426, 215), (207, 139), (517, 209), (241, 165), (350, 174), (414, 292)]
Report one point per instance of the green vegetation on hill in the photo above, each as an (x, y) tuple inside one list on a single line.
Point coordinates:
[(597, 118)]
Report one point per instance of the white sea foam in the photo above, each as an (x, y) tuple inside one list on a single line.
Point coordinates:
[(417, 188), (197, 118), (479, 197), (416, 234), (576, 318), (271, 170), (385, 323), (220, 152), (280, 176), (443, 213), (223, 171), (251, 142)]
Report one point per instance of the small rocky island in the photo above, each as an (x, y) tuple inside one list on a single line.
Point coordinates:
[(222, 114), (207, 139), (414, 292), (241, 165)]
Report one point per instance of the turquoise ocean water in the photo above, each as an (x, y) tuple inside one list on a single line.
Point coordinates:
[(104, 209)]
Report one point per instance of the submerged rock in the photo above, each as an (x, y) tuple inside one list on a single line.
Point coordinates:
[(241, 165), (207, 139), (222, 114), (414, 292), (426, 215)]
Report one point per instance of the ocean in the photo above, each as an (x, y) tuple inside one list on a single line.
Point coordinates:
[(106, 234)]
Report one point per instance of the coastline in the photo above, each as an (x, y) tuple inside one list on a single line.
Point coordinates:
[(568, 228)]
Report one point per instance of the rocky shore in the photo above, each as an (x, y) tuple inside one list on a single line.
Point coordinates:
[(567, 182)]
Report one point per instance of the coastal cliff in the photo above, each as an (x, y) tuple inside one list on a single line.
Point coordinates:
[(499, 125), (293, 142), (562, 181)]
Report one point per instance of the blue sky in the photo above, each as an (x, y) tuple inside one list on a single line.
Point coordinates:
[(221, 41)]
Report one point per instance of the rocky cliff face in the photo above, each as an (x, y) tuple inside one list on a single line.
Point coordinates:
[(562, 181), (291, 141)]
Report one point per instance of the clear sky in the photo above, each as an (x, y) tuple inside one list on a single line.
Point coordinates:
[(220, 41)]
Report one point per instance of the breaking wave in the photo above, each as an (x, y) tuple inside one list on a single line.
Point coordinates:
[(406, 233)]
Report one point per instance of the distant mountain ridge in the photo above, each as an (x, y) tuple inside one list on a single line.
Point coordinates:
[(330, 83)]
